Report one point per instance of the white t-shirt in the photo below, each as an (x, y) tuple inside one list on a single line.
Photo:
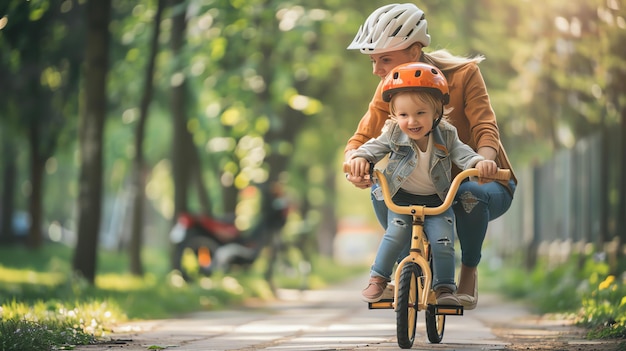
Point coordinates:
[(419, 182)]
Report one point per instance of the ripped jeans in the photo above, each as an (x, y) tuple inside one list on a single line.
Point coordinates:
[(474, 206), (396, 241)]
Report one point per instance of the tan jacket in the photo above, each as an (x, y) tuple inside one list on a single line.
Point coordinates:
[(472, 115)]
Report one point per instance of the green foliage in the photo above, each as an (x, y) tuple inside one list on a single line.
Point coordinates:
[(18, 334), (551, 289), (279, 72), (588, 293), (47, 277), (43, 306), (604, 307)]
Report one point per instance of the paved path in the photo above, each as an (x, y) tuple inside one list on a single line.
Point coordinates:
[(336, 319)]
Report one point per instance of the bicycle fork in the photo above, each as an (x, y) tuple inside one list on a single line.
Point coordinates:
[(418, 254), (420, 249)]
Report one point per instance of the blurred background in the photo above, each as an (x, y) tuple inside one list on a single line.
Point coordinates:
[(118, 116)]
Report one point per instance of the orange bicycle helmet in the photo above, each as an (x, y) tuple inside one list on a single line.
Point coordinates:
[(416, 76)]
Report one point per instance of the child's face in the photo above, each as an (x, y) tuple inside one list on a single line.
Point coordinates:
[(414, 116)]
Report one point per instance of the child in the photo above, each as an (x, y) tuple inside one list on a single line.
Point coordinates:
[(421, 148)]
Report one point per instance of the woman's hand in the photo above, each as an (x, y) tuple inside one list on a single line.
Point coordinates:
[(487, 168), (359, 172), (359, 182)]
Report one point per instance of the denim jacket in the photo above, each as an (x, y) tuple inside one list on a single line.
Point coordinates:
[(447, 148)]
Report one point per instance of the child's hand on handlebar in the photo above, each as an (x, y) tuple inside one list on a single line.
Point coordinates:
[(359, 172), (487, 169)]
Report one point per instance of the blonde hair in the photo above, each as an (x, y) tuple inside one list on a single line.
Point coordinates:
[(445, 61), (425, 97)]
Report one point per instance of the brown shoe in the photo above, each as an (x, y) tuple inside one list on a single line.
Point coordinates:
[(374, 290), (388, 293), (468, 283), (445, 296)]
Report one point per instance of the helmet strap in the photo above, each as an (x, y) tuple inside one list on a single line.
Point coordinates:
[(435, 124)]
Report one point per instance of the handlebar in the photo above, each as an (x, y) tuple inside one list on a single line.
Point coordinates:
[(420, 210)]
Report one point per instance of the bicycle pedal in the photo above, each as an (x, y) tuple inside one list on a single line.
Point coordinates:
[(449, 310), (382, 304)]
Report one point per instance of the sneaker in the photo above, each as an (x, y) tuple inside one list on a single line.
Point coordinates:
[(446, 297), (388, 293), (374, 290)]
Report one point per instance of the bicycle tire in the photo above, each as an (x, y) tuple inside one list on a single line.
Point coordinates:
[(195, 247), (435, 325), (407, 305)]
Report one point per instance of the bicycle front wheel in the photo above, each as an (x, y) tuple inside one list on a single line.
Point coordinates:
[(435, 324), (407, 305)]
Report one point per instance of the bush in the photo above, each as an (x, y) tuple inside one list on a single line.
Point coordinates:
[(604, 308), (587, 292)]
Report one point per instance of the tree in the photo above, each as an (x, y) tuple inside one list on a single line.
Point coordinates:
[(266, 69), (9, 176), (139, 167), (181, 141), (91, 137), (44, 81)]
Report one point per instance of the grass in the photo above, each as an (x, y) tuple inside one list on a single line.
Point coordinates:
[(20, 334), (44, 307), (582, 289)]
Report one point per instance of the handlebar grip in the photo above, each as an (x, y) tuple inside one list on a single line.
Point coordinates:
[(346, 169), (502, 174)]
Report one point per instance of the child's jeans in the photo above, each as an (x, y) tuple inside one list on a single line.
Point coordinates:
[(474, 206), (440, 232)]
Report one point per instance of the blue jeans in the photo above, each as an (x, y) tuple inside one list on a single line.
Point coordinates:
[(396, 241), (474, 206)]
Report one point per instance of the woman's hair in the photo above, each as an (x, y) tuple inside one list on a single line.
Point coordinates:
[(445, 61), (424, 97)]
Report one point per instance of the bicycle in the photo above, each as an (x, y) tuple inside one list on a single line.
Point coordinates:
[(413, 276), (204, 244)]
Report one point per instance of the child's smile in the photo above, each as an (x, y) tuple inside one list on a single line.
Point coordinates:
[(415, 130), (414, 116)]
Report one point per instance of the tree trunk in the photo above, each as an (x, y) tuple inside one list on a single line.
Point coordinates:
[(136, 238), (621, 226), (9, 175), (36, 194), (180, 148), (195, 162), (91, 137)]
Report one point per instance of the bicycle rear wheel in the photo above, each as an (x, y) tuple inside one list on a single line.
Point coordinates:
[(407, 304), (435, 324)]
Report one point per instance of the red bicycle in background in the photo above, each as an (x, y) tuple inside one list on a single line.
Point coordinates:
[(204, 245)]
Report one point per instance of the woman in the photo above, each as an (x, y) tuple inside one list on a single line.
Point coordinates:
[(396, 34)]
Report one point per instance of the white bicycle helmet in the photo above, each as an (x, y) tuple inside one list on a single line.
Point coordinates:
[(390, 28)]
